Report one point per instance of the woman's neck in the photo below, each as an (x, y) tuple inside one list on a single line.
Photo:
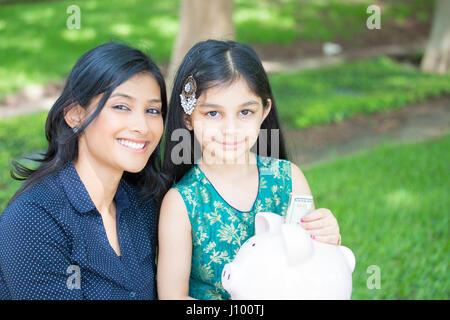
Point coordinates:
[(101, 182)]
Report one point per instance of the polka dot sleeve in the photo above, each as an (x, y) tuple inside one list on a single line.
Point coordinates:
[(34, 254)]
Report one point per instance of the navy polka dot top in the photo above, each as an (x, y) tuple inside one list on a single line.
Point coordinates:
[(53, 244)]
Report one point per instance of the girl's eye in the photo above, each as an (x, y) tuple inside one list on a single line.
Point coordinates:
[(153, 111), (212, 114), (246, 112), (120, 107)]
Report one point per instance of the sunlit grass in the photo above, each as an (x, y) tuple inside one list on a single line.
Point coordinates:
[(19, 136), (37, 47), (334, 93)]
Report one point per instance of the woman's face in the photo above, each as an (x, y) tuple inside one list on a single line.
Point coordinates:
[(226, 121), (128, 128)]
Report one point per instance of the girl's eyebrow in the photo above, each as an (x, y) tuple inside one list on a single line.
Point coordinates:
[(213, 105), (132, 98)]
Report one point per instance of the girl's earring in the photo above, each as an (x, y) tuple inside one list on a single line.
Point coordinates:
[(187, 95), (75, 129)]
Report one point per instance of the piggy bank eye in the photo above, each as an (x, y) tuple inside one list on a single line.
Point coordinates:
[(253, 244)]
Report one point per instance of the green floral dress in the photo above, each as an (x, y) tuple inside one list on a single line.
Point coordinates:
[(218, 229)]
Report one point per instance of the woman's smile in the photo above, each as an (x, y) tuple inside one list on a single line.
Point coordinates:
[(138, 146)]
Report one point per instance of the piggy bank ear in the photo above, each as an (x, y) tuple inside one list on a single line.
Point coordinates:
[(349, 256), (297, 242), (268, 222)]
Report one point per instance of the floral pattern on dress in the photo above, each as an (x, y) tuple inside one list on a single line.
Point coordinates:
[(219, 230)]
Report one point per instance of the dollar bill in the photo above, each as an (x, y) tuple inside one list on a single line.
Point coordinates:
[(299, 206)]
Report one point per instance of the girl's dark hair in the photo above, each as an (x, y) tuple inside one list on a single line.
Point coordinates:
[(214, 63), (98, 71)]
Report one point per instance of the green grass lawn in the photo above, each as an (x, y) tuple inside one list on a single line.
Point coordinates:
[(19, 136), (392, 207), (37, 47), (333, 93)]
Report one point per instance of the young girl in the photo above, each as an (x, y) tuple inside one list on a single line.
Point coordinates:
[(83, 225), (222, 98)]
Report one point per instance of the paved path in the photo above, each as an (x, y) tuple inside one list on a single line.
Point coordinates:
[(422, 121)]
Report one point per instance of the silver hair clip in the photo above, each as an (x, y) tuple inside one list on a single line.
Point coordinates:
[(187, 95)]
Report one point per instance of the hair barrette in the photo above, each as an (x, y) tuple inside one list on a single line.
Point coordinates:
[(187, 95)]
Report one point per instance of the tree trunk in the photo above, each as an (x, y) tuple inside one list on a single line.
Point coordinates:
[(437, 53), (200, 20)]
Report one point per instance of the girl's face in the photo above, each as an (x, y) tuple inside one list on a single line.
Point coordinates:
[(226, 121), (128, 128)]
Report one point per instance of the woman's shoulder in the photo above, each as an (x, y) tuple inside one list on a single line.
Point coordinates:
[(40, 204), (42, 193)]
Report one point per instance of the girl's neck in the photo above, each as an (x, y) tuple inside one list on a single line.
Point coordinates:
[(237, 169), (100, 182)]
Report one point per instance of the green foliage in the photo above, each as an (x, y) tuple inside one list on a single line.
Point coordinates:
[(392, 207), (333, 93)]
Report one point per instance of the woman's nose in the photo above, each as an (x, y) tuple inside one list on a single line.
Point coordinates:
[(139, 124)]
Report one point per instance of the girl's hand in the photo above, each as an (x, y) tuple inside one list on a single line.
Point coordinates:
[(322, 226)]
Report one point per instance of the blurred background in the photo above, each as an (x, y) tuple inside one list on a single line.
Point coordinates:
[(362, 87)]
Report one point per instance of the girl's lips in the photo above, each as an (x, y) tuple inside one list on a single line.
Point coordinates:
[(231, 145)]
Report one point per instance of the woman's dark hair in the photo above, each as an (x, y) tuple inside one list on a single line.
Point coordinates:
[(214, 63), (98, 71)]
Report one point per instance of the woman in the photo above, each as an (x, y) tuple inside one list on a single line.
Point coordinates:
[(84, 224)]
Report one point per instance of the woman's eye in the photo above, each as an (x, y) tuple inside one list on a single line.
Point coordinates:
[(212, 114), (246, 112), (153, 111), (120, 107)]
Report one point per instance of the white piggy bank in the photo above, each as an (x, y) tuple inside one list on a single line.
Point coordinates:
[(281, 261)]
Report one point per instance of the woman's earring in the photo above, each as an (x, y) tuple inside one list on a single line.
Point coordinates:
[(75, 129)]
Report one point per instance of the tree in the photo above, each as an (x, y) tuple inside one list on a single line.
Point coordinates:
[(200, 20), (437, 53)]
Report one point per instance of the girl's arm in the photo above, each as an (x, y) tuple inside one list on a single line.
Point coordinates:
[(175, 248), (321, 223)]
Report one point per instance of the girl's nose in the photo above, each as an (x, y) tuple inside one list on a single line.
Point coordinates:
[(230, 126)]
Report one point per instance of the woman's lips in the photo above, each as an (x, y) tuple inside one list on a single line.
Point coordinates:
[(137, 146)]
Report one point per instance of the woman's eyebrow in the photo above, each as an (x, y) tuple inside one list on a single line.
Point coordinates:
[(132, 98), (122, 95)]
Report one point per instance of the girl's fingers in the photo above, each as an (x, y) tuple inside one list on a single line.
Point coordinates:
[(319, 224), (330, 239), (330, 231), (316, 215)]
